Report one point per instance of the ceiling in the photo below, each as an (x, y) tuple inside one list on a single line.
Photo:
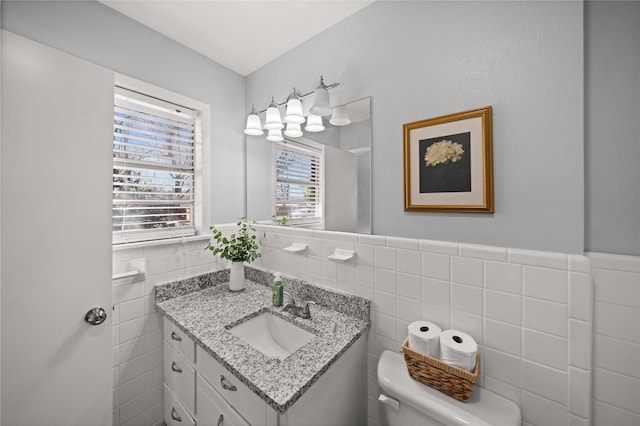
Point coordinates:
[(241, 35)]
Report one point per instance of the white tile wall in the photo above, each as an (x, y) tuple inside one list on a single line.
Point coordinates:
[(537, 410), (616, 340), (137, 334), (545, 332), (517, 305)]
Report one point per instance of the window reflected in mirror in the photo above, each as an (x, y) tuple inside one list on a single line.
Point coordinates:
[(321, 180)]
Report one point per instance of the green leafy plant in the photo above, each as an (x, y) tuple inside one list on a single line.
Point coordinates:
[(241, 246), (280, 220)]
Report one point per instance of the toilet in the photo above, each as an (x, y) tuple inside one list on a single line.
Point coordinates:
[(408, 402)]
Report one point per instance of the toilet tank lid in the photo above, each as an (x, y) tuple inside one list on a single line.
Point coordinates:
[(484, 408)]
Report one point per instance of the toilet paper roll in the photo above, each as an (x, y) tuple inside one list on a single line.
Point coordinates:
[(458, 349), (424, 337)]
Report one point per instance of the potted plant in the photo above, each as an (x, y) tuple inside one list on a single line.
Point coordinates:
[(238, 248), (280, 220)]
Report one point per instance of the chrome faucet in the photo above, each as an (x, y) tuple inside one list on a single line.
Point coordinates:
[(299, 311)]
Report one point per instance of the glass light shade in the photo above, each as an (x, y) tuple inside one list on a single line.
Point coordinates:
[(254, 126), (273, 120), (314, 124), (320, 102), (294, 111), (340, 116), (293, 130), (275, 135)]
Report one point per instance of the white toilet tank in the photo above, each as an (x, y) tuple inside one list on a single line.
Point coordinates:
[(408, 402)]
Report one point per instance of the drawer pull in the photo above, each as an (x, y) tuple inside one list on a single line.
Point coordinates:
[(175, 337), (175, 367), (225, 386), (220, 420), (174, 415)]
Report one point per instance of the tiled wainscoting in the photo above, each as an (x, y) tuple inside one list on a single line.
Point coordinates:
[(532, 314), (137, 334), (529, 311), (616, 372)]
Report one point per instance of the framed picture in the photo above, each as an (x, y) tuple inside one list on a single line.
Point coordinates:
[(448, 163)]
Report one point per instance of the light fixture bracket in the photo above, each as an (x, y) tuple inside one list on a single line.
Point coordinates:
[(329, 86)]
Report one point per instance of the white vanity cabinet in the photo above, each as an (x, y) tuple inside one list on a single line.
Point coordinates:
[(213, 410), (237, 394), (175, 412), (201, 391), (190, 398), (179, 377), (180, 341), (338, 397)]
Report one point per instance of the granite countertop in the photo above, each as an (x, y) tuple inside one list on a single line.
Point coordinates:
[(204, 308)]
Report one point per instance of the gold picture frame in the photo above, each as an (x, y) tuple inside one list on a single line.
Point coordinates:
[(448, 163)]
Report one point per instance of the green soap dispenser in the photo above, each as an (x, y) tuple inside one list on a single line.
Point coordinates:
[(277, 290)]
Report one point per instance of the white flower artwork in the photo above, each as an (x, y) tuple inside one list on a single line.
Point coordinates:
[(443, 152), (448, 163)]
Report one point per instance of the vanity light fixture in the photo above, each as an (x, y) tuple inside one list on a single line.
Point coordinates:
[(321, 104), (294, 109), (273, 120), (294, 115), (275, 135), (340, 116), (254, 125), (293, 130), (314, 124)]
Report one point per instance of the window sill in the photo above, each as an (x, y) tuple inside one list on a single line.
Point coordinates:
[(167, 241)]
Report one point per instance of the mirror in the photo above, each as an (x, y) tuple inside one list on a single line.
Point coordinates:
[(345, 198)]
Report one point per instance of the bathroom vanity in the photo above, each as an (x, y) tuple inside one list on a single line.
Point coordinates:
[(217, 373)]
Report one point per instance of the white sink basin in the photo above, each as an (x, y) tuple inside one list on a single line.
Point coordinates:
[(271, 335)]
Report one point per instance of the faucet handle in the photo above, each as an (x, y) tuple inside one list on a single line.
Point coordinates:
[(293, 301), (305, 308)]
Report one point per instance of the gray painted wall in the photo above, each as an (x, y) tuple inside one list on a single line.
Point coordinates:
[(424, 59), (95, 32), (612, 125), (419, 60)]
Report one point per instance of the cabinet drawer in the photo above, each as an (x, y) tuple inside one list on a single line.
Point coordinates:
[(174, 412), (253, 409), (213, 410), (179, 340), (180, 376)]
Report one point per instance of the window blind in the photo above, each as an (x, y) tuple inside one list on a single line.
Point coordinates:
[(153, 168), (298, 190)]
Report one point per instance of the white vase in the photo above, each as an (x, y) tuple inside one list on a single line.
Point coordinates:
[(236, 276)]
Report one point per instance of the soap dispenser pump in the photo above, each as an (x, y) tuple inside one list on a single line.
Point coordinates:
[(277, 290)]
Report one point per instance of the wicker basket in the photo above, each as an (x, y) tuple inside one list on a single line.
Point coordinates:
[(439, 375)]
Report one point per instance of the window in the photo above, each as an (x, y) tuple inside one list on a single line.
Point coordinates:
[(154, 168), (298, 183)]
